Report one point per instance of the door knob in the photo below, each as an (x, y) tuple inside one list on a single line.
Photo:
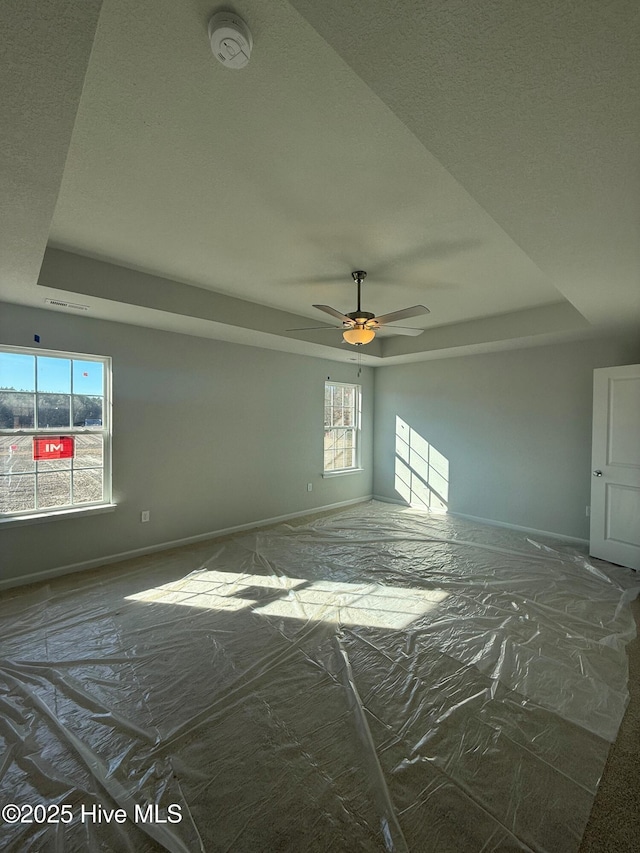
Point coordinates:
[(597, 473)]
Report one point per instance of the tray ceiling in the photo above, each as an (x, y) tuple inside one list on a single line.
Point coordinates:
[(477, 158)]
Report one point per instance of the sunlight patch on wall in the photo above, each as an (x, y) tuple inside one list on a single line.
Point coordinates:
[(421, 471), (370, 605)]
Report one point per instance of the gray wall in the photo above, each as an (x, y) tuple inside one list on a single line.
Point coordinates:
[(515, 427), (207, 435)]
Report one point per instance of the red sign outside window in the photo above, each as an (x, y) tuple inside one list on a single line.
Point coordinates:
[(54, 447)]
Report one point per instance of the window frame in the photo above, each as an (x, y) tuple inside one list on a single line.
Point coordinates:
[(105, 504), (356, 428)]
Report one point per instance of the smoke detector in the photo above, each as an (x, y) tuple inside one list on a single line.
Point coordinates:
[(231, 41)]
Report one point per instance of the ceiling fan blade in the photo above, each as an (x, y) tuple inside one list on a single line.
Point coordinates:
[(386, 331), (414, 311), (329, 310), (316, 328)]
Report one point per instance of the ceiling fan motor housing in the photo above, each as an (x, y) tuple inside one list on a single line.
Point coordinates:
[(361, 315)]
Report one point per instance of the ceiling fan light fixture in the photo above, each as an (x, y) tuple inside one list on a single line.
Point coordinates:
[(359, 327), (358, 336)]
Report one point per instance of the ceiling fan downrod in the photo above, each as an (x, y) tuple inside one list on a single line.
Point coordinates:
[(359, 276), (359, 317)]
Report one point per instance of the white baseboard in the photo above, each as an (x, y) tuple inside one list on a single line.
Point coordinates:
[(532, 530), (165, 546)]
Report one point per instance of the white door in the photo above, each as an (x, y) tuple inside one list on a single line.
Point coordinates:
[(615, 463)]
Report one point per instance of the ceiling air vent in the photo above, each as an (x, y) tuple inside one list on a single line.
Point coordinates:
[(60, 304)]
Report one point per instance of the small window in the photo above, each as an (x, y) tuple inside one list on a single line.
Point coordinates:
[(55, 431), (341, 426)]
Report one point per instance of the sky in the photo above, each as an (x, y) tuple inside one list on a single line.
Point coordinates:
[(54, 375)]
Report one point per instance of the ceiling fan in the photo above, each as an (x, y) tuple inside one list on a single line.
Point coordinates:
[(360, 327)]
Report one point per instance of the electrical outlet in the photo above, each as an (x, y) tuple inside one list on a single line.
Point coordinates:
[(145, 515), (587, 511), (309, 487)]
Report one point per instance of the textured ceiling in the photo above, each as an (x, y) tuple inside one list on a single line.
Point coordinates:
[(480, 158), (45, 51)]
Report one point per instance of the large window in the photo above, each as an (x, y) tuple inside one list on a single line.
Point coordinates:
[(54, 431), (341, 426)]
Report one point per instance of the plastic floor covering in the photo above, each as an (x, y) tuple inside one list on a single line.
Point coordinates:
[(378, 680)]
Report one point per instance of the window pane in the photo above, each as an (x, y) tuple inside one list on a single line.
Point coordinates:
[(16, 410), (87, 411), (54, 375), (54, 489), (329, 436), (17, 372), (49, 394), (17, 493), (88, 451), (88, 378), (343, 457), (338, 418), (87, 486), (16, 454), (53, 465), (340, 426), (339, 446), (54, 410)]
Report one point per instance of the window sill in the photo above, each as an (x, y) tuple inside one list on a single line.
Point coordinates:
[(41, 517), (342, 472)]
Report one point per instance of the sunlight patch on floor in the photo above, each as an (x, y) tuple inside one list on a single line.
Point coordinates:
[(370, 605)]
